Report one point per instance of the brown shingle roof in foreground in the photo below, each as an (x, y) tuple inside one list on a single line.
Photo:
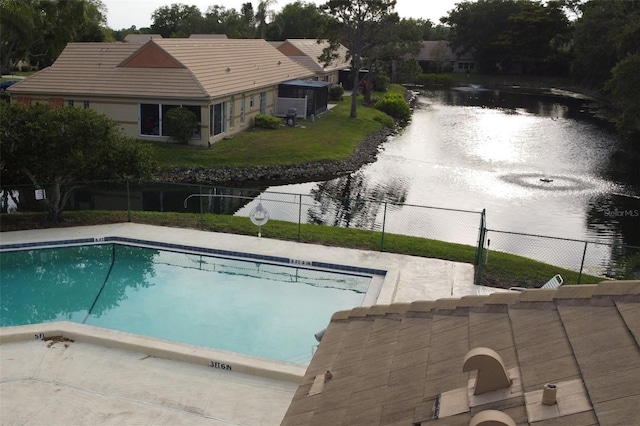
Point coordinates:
[(403, 365)]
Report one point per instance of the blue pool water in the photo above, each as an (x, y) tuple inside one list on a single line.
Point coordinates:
[(254, 308)]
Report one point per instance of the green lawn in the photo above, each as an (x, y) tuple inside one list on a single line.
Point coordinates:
[(332, 136)]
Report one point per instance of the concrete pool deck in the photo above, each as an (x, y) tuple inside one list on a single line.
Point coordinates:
[(105, 377)]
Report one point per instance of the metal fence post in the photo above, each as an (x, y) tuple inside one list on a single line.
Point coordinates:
[(584, 254), (482, 233), (128, 202), (384, 222), (481, 236), (300, 217), (201, 213)]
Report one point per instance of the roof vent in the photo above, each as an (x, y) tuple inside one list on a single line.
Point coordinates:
[(549, 394), (491, 372), (319, 381), (557, 400), (491, 418)]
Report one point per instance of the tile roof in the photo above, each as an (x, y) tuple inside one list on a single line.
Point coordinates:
[(140, 38), (307, 51), (202, 69), (403, 364)]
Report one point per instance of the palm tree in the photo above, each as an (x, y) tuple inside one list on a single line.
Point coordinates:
[(263, 13)]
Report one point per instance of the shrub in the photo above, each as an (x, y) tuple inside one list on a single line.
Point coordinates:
[(266, 121), (335, 93), (385, 120), (381, 83), (435, 80), (394, 105), (180, 124)]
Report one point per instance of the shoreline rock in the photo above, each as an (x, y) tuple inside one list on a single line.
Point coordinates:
[(365, 153)]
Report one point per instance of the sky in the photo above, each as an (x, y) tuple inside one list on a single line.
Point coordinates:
[(125, 13)]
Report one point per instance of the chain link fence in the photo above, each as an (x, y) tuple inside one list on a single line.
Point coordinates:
[(383, 217), (589, 260), (494, 249)]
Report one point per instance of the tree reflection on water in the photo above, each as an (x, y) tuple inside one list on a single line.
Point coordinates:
[(347, 201), (59, 284)]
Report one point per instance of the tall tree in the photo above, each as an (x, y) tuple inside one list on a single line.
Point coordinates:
[(38, 30), (625, 75), (219, 20), (354, 24), (479, 27), (596, 38), (248, 19), (428, 31), (625, 86), (17, 27), (503, 33), (57, 148), (59, 22), (296, 20), (396, 39), (536, 34), (178, 20)]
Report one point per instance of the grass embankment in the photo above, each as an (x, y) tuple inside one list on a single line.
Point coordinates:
[(503, 270)]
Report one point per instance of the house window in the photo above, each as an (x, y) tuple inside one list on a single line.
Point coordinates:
[(242, 102), (232, 112), (263, 102), (251, 103), (86, 104), (152, 118), (70, 103), (217, 118)]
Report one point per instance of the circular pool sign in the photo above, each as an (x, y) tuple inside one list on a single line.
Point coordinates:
[(259, 215)]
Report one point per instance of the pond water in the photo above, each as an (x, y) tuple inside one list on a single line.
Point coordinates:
[(538, 163)]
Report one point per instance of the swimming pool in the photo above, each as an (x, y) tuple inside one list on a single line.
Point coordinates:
[(255, 307)]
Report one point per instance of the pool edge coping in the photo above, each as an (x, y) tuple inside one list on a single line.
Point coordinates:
[(293, 262), (159, 348)]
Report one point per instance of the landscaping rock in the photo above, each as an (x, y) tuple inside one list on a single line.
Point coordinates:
[(365, 153)]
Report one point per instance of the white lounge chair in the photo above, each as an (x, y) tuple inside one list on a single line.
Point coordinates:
[(484, 291), (555, 282)]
